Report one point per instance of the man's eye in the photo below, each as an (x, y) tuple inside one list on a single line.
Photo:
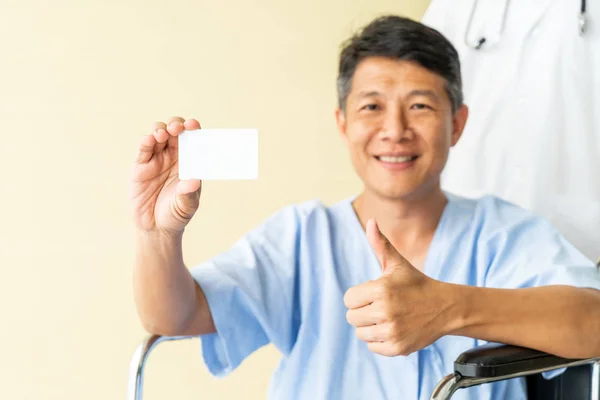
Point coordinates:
[(420, 106), (371, 107)]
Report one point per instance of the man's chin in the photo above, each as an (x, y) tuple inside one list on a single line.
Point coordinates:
[(395, 192)]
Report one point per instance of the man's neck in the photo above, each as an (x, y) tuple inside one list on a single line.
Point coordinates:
[(409, 224)]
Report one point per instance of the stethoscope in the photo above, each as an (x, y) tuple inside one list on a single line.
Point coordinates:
[(581, 19)]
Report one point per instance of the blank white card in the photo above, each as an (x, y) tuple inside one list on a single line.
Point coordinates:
[(218, 154)]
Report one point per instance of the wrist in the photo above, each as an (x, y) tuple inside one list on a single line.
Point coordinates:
[(462, 307), (159, 235), (159, 244)]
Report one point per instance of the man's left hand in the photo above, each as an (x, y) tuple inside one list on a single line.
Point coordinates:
[(404, 310)]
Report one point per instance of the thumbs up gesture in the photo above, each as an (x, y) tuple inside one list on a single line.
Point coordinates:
[(402, 311)]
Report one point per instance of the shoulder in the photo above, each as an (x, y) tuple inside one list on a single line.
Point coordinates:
[(495, 224), (498, 227), (495, 214), (518, 248)]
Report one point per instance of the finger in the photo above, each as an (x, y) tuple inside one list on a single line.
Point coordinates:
[(146, 149), (158, 125), (191, 124), (386, 253), (175, 125), (173, 142), (161, 137), (175, 119), (378, 242), (372, 333), (383, 348), (175, 128), (364, 316), (188, 186), (362, 295)]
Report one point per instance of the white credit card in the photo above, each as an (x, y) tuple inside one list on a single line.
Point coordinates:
[(218, 154)]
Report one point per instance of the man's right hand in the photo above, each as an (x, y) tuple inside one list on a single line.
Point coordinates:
[(161, 202)]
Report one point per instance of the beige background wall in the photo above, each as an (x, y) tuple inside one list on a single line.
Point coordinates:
[(80, 83)]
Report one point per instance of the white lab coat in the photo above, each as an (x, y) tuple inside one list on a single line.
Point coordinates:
[(533, 134)]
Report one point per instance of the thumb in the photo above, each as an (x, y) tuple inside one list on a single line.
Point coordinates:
[(386, 253), (188, 195)]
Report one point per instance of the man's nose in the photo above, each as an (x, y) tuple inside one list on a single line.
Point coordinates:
[(396, 127)]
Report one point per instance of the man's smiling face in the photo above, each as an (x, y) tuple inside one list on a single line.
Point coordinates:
[(399, 125)]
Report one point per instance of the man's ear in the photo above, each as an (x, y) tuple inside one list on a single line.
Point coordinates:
[(340, 118), (458, 123)]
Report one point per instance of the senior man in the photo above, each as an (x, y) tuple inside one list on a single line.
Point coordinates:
[(372, 297)]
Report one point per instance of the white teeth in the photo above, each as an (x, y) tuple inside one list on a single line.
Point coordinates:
[(392, 159)]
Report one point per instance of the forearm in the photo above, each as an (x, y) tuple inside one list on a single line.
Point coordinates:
[(560, 320), (166, 295)]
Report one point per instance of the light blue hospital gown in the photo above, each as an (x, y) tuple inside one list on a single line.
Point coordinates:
[(284, 282)]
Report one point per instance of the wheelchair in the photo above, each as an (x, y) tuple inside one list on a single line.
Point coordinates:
[(478, 366)]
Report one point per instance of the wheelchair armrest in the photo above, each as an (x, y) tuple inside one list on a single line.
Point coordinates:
[(138, 362), (497, 360)]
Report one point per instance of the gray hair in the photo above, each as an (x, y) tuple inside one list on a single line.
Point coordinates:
[(401, 38)]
